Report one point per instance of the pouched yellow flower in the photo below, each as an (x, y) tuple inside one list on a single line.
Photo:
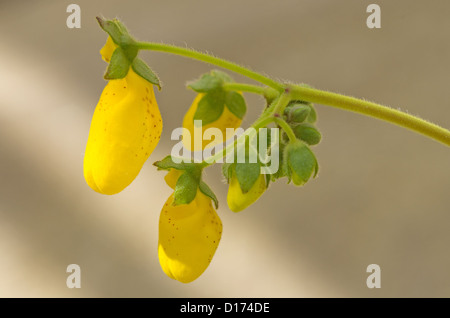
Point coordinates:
[(188, 236), (226, 120), (125, 129), (172, 176), (237, 200)]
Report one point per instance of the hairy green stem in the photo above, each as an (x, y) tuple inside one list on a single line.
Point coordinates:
[(292, 92), (287, 129), (267, 92), (282, 102), (211, 60), (371, 109)]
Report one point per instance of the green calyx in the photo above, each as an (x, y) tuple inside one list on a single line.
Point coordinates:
[(248, 170), (247, 173), (299, 111), (118, 66), (125, 55), (216, 98), (307, 133), (189, 181), (299, 163)]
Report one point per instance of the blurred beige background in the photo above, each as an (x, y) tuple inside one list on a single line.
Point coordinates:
[(382, 196)]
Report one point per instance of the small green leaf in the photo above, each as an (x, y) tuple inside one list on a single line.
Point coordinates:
[(236, 104), (142, 69), (206, 190), (206, 83), (247, 174), (185, 189), (210, 107), (118, 66)]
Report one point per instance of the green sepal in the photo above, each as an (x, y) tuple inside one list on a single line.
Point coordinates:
[(299, 162), (210, 82), (167, 163), (226, 171), (282, 172), (206, 83), (222, 75), (247, 174), (118, 66), (185, 188), (316, 169), (144, 71), (210, 107), (188, 182), (117, 31), (268, 179), (235, 103), (206, 190), (312, 117), (308, 133)]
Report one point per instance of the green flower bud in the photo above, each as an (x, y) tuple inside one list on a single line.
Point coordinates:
[(299, 113), (311, 116), (308, 133), (299, 162)]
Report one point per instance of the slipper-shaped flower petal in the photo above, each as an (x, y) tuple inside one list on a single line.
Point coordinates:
[(125, 129), (237, 200), (226, 120), (188, 237)]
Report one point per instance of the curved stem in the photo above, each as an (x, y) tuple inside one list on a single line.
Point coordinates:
[(282, 102), (244, 88), (267, 92), (371, 109), (287, 129), (312, 95), (261, 122), (212, 60)]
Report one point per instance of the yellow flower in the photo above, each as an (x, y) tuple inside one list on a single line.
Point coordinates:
[(237, 200), (172, 176), (226, 120), (108, 49), (188, 235), (125, 129)]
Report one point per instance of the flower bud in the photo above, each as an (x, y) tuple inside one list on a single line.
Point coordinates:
[(300, 162), (299, 113), (308, 133), (238, 200), (226, 119)]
